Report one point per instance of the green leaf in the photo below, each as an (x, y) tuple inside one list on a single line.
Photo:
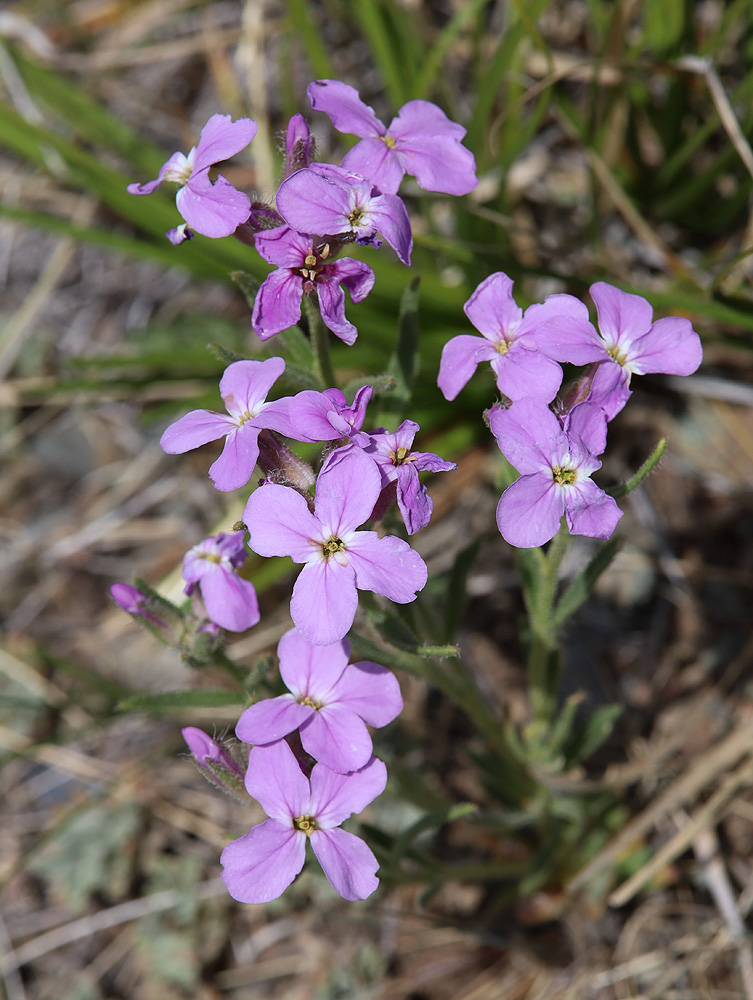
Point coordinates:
[(663, 24), (593, 733), (175, 701), (581, 586), (635, 481), (301, 19)]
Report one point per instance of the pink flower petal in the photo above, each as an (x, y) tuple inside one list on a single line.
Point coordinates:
[(671, 346), (269, 720), (193, 430), (235, 465), (335, 796), (332, 306), (245, 384), (529, 435), (229, 599), (524, 374), (460, 356), (311, 670), (324, 602), (590, 511), (337, 738), (373, 158), (346, 491), (387, 566), (529, 511), (345, 108), (313, 203), (280, 523), (389, 217), (277, 305), (623, 317), (275, 779), (371, 691), (492, 309), (260, 866), (214, 210), (347, 861), (220, 139)]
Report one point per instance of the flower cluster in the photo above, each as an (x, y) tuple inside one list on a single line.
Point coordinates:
[(320, 208), (311, 762), (555, 450)]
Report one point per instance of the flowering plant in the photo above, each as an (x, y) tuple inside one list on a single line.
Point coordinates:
[(311, 762)]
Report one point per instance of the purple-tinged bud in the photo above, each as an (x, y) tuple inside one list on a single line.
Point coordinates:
[(576, 392), (262, 217), (299, 146), (282, 465), (215, 762), (131, 599)]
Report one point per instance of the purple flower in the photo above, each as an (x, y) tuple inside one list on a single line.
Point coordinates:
[(326, 416), (230, 601), (204, 749), (556, 467), (304, 267), (421, 140), (213, 209), (627, 343), (299, 146), (339, 560), (331, 201), (330, 701), (243, 387), (261, 865), (397, 463), (131, 599), (521, 370)]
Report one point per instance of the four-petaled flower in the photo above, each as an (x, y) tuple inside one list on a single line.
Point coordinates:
[(304, 266), (421, 140), (626, 343), (520, 368), (555, 466), (339, 560), (330, 701), (243, 387), (230, 601), (261, 865), (328, 200), (399, 464), (212, 209)]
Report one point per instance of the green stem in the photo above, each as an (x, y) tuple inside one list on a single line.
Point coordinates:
[(542, 656), (222, 660), (320, 340)]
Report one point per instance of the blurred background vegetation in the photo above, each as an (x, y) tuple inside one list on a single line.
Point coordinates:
[(613, 143)]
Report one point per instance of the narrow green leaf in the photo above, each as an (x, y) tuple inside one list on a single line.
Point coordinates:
[(442, 45), (594, 732), (580, 588), (301, 19), (175, 701), (383, 49), (635, 481)]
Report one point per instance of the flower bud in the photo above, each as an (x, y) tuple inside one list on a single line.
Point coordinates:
[(217, 761)]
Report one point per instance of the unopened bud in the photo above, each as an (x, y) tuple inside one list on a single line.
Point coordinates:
[(217, 761), (282, 465), (299, 146)]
